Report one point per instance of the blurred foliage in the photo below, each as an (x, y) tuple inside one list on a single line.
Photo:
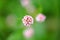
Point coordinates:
[(47, 30)]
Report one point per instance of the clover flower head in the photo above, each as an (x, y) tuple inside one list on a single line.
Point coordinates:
[(27, 20)]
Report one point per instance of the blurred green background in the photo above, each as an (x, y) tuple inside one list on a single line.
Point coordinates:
[(47, 30)]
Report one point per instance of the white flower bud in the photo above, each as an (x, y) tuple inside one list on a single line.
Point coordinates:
[(28, 32), (25, 3), (40, 18), (30, 9), (11, 20)]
